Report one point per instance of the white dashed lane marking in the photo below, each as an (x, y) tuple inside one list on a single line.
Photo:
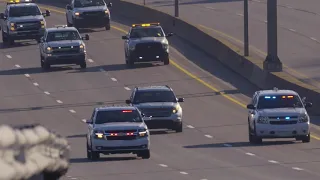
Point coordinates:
[(272, 161), (35, 84), (46, 92), (312, 38), (208, 136), (296, 168), (189, 126), (73, 178), (8, 56), (59, 101), (238, 14), (127, 88), (84, 120), (17, 65), (113, 79), (163, 165), (90, 60), (27, 75), (184, 173), (292, 30), (72, 111), (250, 154), (265, 21)]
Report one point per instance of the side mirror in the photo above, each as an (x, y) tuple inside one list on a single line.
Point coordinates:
[(109, 5), (86, 37), (180, 99), (2, 16), (308, 105), (169, 34), (69, 7), (143, 115), (124, 37), (48, 13), (250, 106), (89, 121), (128, 101)]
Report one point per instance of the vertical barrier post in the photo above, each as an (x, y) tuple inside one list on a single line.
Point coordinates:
[(246, 27)]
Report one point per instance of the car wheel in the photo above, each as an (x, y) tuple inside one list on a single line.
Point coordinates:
[(306, 139), (253, 138), (166, 61), (108, 27), (83, 65), (179, 128), (144, 154), (129, 63), (4, 37)]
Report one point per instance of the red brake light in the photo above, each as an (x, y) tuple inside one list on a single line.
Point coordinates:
[(129, 134), (126, 111), (114, 134)]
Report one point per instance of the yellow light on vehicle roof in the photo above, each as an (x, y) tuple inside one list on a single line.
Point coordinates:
[(145, 25)]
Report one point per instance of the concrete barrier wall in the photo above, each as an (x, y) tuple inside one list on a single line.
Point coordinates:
[(32, 152), (247, 67)]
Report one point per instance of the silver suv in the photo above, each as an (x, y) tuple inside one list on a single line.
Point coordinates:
[(159, 106), (278, 114), (117, 130)]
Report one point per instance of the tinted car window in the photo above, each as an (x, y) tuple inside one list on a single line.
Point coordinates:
[(63, 35), (279, 101), (88, 3), (154, 96), (117, 116), (24, 11), (146, 32)]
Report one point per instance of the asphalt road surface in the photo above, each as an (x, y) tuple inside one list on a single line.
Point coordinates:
[(298, 24), (213, 145)]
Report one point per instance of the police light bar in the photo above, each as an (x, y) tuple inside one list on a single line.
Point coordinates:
[(19, 1), (146, 25)]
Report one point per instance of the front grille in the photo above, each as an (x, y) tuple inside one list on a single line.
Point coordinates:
[(157, 112), (283, 117), (149, 48), (283, 122), (93, 14), (121, 137), (28, 26), (121, 131), (65, 50)]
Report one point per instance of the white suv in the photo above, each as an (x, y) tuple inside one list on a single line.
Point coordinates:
[(117, 130), (278, 114)]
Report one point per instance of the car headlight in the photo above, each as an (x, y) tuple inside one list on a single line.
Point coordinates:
[(43, 24), (49, 50), (143, 132), (263, 120), (303, 118), (12, 26), (176, 109), (98, 134), (82, 48), (106, 12), (77, 14)]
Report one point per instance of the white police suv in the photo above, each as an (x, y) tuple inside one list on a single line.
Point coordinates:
[(278, 114), (117, 130)]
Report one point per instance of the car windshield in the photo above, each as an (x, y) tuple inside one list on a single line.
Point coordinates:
[(24, 11), (63, 35), (279, 101), (146, 32), (88, 3), (154, 96), (118, 116)]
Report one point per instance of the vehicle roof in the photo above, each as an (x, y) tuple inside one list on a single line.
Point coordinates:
[(55, 29), (148, 27), (154, 88), (276, 92), (115, 108), (22, 4)]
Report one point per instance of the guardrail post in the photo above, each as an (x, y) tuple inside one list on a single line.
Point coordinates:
[(272, 62), (144, 2), (176, 8), (246, 27)]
